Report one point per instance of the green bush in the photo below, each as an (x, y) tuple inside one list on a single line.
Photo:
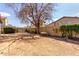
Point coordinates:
[(31, 30), (67, 30), (9, 29)]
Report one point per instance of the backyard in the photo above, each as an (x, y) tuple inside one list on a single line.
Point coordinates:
[(31, 30), (41, 46)]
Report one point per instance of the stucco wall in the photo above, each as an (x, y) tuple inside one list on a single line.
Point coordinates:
[(51, 29)]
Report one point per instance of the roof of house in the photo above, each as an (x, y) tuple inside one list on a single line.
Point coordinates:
[(2, 18), (62, 18)]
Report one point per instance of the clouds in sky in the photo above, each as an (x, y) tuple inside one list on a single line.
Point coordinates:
[(5, 14)]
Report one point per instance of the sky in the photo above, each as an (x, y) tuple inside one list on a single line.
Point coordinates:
[(61, 9), (12, 19), (66, 9)]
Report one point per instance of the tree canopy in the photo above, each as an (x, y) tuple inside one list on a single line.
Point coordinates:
[(35, 13)]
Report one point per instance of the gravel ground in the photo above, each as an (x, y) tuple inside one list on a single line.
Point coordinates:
[(43, 46)]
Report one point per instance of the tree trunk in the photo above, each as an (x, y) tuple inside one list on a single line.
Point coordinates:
[(38, 30), (0, 28)]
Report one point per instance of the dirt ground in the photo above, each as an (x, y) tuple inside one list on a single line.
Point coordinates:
[(43, 46)]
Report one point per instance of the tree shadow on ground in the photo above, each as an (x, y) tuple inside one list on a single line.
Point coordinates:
[(23, 38), (2, 40)]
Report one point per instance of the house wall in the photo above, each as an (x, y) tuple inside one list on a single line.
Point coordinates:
[(20, 30), (51, 29)]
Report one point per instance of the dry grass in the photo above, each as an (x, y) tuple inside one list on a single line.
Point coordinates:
[(39, 47)]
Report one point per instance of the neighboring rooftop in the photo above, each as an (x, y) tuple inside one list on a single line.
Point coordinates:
[(62, 18)]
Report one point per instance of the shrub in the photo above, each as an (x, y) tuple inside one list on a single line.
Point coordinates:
[(31, 30), (9, 29), (56, 30), (68, 30)]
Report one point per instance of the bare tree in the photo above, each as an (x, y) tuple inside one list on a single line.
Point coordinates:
[(35, 13)]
